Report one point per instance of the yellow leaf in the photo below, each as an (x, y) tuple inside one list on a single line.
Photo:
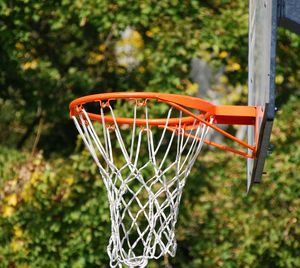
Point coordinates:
[(94, 58), (12, 199), (137, 40), (224, 79), (35, 178), (69, 180), (16, 245), (34, 64), (153, 31), (83, 21), (141, 69), (13, 183), (149, 33), (30, 65), (235, 66), (99, 57), (7, 211), (19, 45), (27, 193), (192, 88), (102, 47), (26, 66), (223, 54), (37, 161), (18, 231), (279, 79), (66, 194)]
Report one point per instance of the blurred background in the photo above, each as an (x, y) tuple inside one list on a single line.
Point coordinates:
[(53, 206)]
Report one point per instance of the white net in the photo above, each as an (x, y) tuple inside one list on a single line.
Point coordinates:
[(144, 170)]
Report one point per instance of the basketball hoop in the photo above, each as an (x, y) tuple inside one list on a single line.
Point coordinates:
[(144, 161)]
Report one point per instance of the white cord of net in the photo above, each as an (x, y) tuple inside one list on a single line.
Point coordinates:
[(134, 243)]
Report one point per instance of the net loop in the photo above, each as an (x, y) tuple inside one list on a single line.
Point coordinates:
[(144, 171), (105, 104), (141, 103), (110, 127)]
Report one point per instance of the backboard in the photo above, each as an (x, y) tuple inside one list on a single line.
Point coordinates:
[(261, 80)]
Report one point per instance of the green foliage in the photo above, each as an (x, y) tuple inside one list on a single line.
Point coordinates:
[(60, 217), (9, 159), (53, 206), (61, 50), (55, 51)]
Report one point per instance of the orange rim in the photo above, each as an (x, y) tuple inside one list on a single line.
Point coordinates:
[(190, 102), (222, 114), (187, 101)]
